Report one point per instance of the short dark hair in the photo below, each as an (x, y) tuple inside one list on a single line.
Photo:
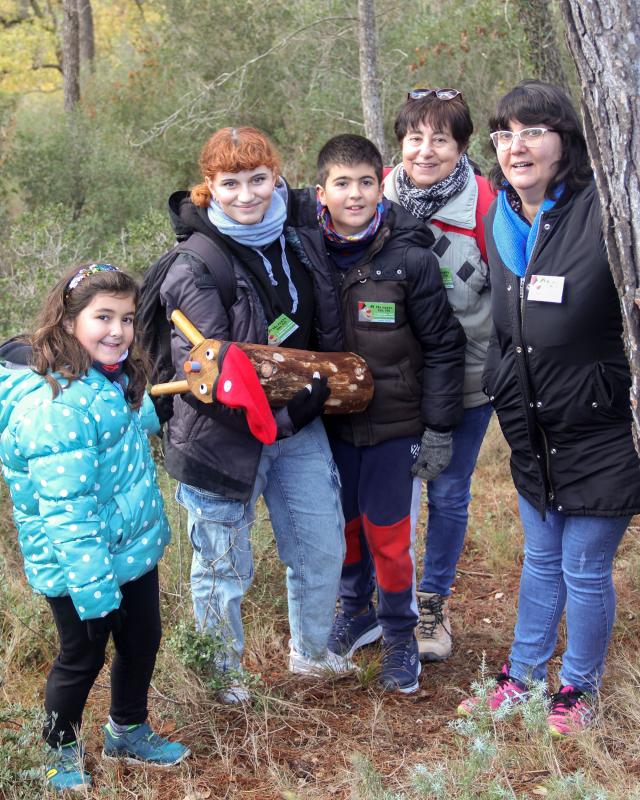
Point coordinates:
[(534, 102), (347, 150), (438, 114)]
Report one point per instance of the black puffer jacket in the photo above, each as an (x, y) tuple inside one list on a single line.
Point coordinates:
[(417, 360), (557, 373), (210, 446)]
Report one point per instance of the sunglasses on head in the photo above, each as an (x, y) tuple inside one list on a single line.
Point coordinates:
[(441, 94)]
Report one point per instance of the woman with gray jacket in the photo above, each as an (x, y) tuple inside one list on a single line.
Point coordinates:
[(436, 183)]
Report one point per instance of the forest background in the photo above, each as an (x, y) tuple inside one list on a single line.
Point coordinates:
[(89, 180)]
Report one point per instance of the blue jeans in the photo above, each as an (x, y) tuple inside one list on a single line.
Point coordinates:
[(301, 489), (449, 497), (567, 565)]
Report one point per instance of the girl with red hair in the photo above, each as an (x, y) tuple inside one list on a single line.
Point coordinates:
[(222, 469)]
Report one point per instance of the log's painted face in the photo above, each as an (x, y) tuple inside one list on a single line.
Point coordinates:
[(530, 166), (244, 196)]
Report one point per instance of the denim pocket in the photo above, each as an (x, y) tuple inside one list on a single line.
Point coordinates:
[(210, 506)]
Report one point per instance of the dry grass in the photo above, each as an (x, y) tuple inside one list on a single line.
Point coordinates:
[(340, 739)]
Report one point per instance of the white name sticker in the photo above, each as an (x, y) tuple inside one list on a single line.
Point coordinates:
[(546, 288)]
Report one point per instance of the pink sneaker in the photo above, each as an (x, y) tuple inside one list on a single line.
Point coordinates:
[(571, 712), (508, 691)]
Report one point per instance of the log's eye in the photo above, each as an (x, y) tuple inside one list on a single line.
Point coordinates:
[(209, 354), (203, 388)]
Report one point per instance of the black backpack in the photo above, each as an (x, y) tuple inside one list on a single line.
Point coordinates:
[(152, 327)]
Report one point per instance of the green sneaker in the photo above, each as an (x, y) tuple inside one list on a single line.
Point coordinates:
[(65, 769), (139, 744)]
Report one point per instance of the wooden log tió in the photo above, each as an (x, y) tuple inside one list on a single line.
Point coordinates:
[(282, 371)]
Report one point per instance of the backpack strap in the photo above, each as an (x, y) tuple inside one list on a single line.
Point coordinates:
[(216, 260), (486, 196)]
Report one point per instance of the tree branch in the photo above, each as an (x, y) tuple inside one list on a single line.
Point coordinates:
[(195, 97)]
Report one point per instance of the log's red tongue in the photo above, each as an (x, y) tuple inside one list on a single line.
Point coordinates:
[(238, 386)]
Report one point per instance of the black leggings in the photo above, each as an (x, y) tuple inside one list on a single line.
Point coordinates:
[(80, 660)]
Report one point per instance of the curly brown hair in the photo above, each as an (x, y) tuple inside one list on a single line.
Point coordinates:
[(55, 350)]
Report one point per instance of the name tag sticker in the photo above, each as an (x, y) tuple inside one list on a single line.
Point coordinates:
[(280, 329), (447, 277), (546, 288), (376, 312)]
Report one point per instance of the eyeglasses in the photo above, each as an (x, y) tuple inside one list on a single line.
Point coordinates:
[(441, 94), (530, 137)]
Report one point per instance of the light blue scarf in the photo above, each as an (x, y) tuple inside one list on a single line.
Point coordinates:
[(260, 234), (514, 237)]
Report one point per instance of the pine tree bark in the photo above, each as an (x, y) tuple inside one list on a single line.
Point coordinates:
[(604, 40), (70, 54), (542, 41), (369, 81), (87, 38)]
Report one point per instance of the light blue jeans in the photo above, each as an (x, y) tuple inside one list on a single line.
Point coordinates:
[(301, 489), (449, 497), (568, 563)]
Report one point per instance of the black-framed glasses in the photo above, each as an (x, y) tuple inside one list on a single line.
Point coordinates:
[(531, 137), (441, 94)]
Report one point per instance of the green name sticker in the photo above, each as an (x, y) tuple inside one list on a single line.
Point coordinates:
[(280, 329), (372, 311), (447, 277)]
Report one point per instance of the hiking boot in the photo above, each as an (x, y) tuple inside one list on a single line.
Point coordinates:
[(508, 691), (571, 711), (400, 666), (434, 629), (65, 769), (349, 633), (139, 744), (332, 665)]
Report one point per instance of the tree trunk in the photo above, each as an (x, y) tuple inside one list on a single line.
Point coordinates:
[(604, 40), (369, 81), (87, 39), (70, 54), (543, 46)]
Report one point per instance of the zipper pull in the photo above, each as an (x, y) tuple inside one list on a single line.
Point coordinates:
[(522, 288)]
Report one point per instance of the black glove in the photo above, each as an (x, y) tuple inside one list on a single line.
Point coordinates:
[(307, 404), (435, 454), (100, 628)]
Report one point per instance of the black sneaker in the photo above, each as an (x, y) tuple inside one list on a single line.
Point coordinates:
[(400, 666), (350, 633)]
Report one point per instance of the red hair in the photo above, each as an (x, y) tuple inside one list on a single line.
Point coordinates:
[(234, 150)]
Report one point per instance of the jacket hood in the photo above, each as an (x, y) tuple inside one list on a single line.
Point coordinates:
[(14, 385), (186, 217)]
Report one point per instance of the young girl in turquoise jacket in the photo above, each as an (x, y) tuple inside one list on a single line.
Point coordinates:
[(89, 514)]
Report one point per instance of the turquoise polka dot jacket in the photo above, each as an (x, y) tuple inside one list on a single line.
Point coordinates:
[(86, 503)]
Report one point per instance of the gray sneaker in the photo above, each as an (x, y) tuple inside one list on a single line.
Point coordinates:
[(433, 631)]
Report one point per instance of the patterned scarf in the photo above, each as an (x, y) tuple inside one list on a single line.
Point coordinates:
[(423, 203), (326, 224)]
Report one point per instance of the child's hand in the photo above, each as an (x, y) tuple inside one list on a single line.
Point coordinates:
[(101, 627), (435, 454)]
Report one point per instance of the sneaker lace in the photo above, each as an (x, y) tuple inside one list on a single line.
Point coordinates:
[(431, 615), (563, 701), (395, 655)]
